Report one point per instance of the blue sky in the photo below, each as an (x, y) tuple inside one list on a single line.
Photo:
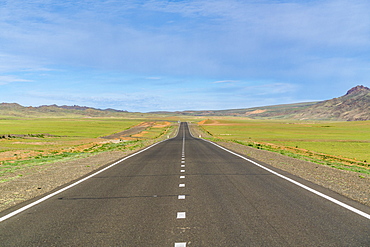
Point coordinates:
[(181, 55)]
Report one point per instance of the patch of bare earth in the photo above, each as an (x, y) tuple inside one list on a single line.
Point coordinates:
[(350, 184)]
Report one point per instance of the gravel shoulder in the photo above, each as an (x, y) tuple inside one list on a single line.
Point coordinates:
[(45, 178), (355, 186)]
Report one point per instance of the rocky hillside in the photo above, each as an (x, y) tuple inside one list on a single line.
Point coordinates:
[(354, 105)]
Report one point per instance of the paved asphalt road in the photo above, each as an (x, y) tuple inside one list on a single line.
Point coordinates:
[(187, 192)]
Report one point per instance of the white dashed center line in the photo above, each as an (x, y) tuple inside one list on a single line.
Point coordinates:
[(183, 244), (181, 215)]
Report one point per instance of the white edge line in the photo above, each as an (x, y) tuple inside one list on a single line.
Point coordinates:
[(297, 183), (74, 184)]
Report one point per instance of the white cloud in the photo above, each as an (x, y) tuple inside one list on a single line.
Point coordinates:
[(15, 63), (300, 42), (6, 79), (219, 37), (121, 101)]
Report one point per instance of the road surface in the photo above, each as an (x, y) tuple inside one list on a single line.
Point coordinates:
[(188, 192)]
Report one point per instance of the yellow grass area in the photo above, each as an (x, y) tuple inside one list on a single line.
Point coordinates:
[(49, 148), (153, 130), (141, 134), (161, 124)]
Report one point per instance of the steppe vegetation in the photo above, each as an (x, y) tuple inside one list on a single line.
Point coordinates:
[(344, 145), (30, 142)]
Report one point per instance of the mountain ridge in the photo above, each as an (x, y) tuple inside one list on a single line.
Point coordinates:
[(353, 106), (17, 110)]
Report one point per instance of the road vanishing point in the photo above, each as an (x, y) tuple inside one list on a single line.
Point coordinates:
[(187, 192)]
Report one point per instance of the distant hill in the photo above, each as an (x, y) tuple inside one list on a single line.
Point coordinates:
[(275, 111), (354, 105), (16, 110)]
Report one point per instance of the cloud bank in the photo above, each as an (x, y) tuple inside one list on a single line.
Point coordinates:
[(306, 49)]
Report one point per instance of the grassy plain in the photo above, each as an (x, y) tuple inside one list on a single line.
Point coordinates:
[(30, 142), (83, 127), (344, 142)]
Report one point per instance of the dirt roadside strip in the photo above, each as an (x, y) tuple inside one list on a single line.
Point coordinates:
[(42, 179), (350, 184)]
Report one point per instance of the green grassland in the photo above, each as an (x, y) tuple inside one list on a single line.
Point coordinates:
[(32, 142), (63, 133), (87, 127), (347, 142)]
